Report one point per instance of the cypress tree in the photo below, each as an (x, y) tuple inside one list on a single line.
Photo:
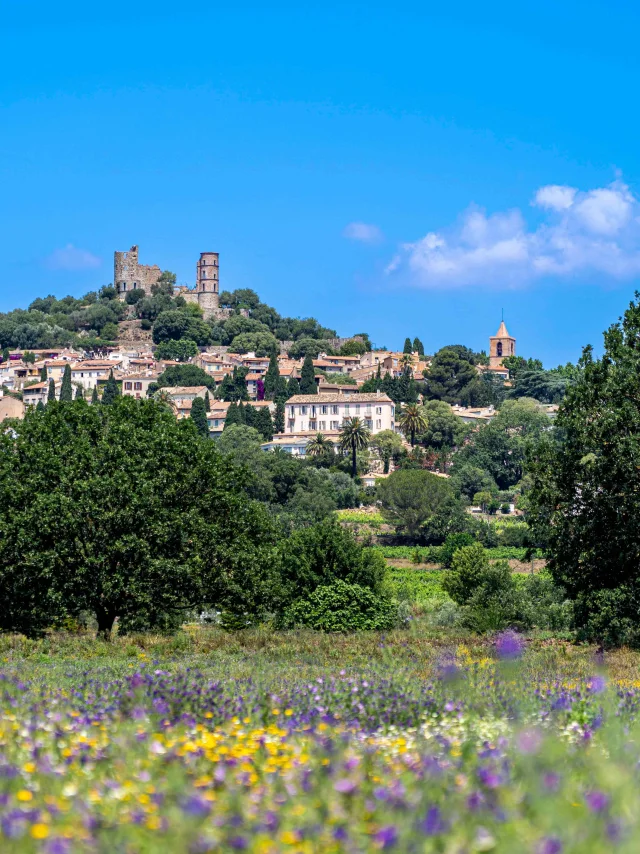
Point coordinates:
[(43, 374), (308, 376), (418, 347), (249, 415), (207, 402), (388, 386), (111, 390), (199, 416), (233, 416), (293, 387), (79, 393), (66, 389), (40, 406), (263, 423), (278, 420), (272, 378), (94, 395), (408, 346), (52, 391)]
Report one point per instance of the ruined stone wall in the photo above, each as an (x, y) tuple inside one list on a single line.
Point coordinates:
[(129, 274)]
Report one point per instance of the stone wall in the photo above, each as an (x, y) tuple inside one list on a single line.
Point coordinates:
[(129, 274)]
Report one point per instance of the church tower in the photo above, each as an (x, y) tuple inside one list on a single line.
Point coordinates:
[(501, 345), (207, 283)]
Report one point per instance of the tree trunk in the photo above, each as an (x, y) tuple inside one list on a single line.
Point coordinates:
[(354, 462), (413, 438), (106, 619)]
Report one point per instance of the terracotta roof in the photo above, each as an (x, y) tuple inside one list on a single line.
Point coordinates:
[(253, 376), (502, 332), (35, 387), (177, 390), (150, 377), (339, 398)]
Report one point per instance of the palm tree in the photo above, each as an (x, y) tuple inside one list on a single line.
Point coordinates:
[(354, 437), (406, 360), (318, 445), (412, 420), (164, 397)]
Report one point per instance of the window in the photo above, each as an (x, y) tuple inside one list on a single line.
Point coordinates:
[(303, 410), (357, 409), (368, 423), (324, 409), (127, 386), (378, 424), (313, 425), (322, 425), (137, 386), (378, 410), (334, 410), (346, 409), (292, 411), (499, 348), (335, 425)]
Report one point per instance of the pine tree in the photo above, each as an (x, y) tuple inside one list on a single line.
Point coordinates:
[(263, 423), (52, 391), (94, 395), (418, 347), (408, 346), (293, 387), (111, 390), (278, 420), (66, 389), (308, 376), (207, 401), (199, 416), (271, 378), (79, 393), (40, 406), (389, 387)]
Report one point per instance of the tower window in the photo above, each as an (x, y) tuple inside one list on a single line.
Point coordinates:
[(499, 348)]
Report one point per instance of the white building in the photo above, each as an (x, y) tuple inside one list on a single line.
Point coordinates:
[(325, 413)]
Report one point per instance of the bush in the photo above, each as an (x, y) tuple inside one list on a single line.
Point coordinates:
[(145, 324), (342, 607), (451, 546)]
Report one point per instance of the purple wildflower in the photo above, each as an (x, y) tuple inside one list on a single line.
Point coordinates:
[(345, 786), (550, 845), (387, 837), (509, 645), (597, 801)]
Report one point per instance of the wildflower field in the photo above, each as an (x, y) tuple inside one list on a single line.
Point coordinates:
[(264, 743)]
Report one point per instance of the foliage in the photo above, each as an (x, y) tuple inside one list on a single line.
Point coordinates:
[(585, 498), (388, 445), (129, 513), (354, 437), (516, 365), (185, 375), (198, 415), (444, 429), (412, 498), (111, 390), (453, 377), (412, 419), (176, 323), (66, 389), (451, 545), (342, 608), (354, 348), (319, 444), (308, 376), (275, 386), (178, 351), (234, 386), (262, 343)]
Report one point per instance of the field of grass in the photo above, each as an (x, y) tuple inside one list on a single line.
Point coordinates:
[(431, 554), (412, 741)]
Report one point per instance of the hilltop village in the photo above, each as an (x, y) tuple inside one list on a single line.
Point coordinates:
[(303, 386)]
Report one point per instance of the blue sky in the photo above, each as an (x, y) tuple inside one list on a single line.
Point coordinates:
[(405, 169)]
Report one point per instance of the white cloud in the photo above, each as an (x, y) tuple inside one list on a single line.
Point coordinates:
[(72, 258), (593, 233), (363, 232)]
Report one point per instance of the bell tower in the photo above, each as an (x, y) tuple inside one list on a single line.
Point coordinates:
[(207, 283), (501, 345)]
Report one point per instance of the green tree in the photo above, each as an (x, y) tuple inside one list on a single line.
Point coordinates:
[(178, 351), (207, 401), (517, 365), (110, 331), (199, 416), (408, 346), (278, 418), (262, 343), (234, 416), (418, 347), (585, 499), (111, 390), (354, 437), (444, 428), (40, 406), (412, 497), (293, 387), (452, 377), (388, 445), (186, 375), (263, 423), (66, 389), (129, 514), (273, 382), (412, 420), (51, 395), (94, 395), (308, 376), (319, 445), (79, 393), (43, 374)]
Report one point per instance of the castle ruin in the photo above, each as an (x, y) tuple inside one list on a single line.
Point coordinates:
[(129, 275)]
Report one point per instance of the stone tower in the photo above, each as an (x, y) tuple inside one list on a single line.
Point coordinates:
[(501, 345), (207, 283), (129, 275)]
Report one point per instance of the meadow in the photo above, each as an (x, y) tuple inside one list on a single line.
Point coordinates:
[(419, 740)]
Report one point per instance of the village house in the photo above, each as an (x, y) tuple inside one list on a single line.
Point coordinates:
[(137, 385), (92, 372), (325, 413), (11, 407), (294, 445), (344, 364), (217, 414), (55, 369), (37, 393)]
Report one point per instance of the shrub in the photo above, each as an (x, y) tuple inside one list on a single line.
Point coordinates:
[(452, 544), (342, 607)]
